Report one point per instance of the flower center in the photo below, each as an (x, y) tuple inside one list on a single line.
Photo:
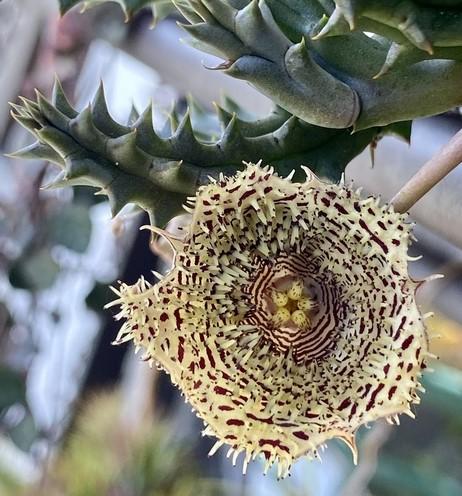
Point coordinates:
[(291, 305), (295, 305)]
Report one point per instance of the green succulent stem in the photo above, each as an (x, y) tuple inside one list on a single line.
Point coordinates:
[(332, 63), (136, 164), (313, 58)]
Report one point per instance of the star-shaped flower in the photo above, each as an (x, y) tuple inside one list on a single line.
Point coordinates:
[(288, 317)]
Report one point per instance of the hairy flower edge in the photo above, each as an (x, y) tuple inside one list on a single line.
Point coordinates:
[(288, 318)]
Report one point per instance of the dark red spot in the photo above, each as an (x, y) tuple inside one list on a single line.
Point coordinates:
[(407, 342), (391, 392), (245, 195), (225, 407), (275, 443), (221, 390), (366, 390), (374, 395), (178, 319), (301, 435), (340, 208), (210, 356), (401, 325), (286, 198), (163, 316), (374, 237), (259, 419), (344, 404), (180, 350), (234, 422)]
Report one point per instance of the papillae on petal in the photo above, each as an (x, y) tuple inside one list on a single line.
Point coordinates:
[(288, 318)]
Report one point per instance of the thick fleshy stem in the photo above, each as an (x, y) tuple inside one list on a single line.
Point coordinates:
[(431, 173)]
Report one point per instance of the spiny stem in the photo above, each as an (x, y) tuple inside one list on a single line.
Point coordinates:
[(431, 173)]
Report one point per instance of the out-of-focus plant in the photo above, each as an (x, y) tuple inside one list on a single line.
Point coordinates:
[(44, 238), (102, 456), (159, 8), (424, 458)]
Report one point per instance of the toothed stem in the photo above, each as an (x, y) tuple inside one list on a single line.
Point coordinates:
[(137, 164), (311, 67), (431, 173)]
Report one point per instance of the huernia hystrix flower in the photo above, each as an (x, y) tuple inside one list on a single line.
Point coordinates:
[(288, 317)]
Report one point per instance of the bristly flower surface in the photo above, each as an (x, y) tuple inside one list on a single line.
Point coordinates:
[(288, 318)]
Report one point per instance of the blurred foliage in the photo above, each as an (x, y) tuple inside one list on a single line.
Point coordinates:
[(70, 227), (15, 418), (412, 479), (23, 433), (424, 456), (104, 456), (12, 388), (159, 8), (8, 484), (449, 344), (99, 296), (34, 270), (44, 238)]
